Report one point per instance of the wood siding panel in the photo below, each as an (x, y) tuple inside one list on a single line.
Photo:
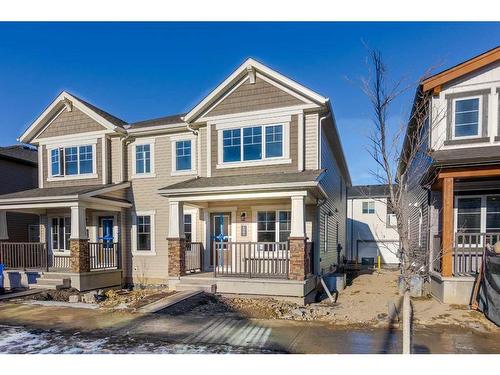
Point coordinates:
[(73, 122), (202, 138), (115, 160), (291, 167), (311, 140), (254, 97)]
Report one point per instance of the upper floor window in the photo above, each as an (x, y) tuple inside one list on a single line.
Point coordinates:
[(142, 159), (183, 155), (369, 207), (260, 142), (467, 118), (72, 161)]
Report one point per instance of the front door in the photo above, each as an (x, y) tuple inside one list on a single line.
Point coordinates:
[(220, 235), (106, 236)]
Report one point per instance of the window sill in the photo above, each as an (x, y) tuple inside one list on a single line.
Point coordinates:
[(143, 175), (65, 253), (72, 177), (254, 163), (184, 173), (145, 253), (463, 141)]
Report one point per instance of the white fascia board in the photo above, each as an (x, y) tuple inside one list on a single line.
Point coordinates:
[(240, 72), (27, 136), (240, 196), (38, 199), (290, 185)]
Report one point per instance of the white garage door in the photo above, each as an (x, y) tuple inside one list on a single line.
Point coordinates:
[(388, 251)]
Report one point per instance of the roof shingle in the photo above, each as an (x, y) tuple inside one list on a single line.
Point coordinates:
[(21, 153)]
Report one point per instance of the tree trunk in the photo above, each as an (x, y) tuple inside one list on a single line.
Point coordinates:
[(406, 323)]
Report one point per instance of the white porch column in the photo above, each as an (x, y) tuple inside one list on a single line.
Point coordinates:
[(4, 234), (176, 219), (298, 217), (78, 223)]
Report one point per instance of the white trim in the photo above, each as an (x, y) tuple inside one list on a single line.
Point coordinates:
[(63, 109), (277, 209), (241, 196), (49, 226), (157, 128), (141, 142), (239, 73), (260, 114), (284, 159), (252, 121), (479, 115), (209, 150), (40, 166), (135, 252), (104, 166), (64, 96), (194, 212), (72, 138), (73, 177), (194, 154), (300, 147)]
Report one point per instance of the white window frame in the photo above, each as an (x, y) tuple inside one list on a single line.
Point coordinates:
[(194, 155), (480, 117), (482, 228), (277, 211), (194, 222), (368, 202), (152, 251), (57, 251), (78, 176), (284, 159), (142, 142)]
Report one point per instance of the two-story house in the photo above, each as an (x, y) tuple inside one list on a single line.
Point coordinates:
[(455, 209), (371, 226), (246, 192)]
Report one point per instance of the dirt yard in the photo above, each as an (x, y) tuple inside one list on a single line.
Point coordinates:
[(364, 303)]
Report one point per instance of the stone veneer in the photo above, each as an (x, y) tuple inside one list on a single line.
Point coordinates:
[(298, 259), (176, 257), (80, 255)]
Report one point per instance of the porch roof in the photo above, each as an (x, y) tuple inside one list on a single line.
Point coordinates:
[(64, 193), (473, 156), (307, 178)]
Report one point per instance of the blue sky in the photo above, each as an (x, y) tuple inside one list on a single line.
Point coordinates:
[(138, 71)]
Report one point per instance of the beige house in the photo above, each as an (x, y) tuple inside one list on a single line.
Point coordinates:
[(246, 193)]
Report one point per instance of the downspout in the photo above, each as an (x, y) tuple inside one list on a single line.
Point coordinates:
[(190, 128)]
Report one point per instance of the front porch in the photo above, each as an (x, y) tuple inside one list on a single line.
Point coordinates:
[(465, 219), (80, 242)]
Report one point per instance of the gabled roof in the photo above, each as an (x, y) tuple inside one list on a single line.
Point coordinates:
[(20, 153), (242, 71), (457, 71), (64, 98)]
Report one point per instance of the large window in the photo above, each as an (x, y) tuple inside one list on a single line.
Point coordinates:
[(469, 215), (72, 161), (142, 159), (273, 226), (188, 227), (246, 144), (467, 123), (144, 233), (60, 233), (183, 155), (368, 207)]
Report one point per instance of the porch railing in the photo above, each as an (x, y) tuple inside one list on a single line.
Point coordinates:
[(468, 251), (251, 259), (23, 255), (60, 262), (194, 257), (104, 255)]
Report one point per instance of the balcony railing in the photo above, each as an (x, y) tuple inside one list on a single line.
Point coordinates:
[(194, 257), (104, 255), (24, 255)]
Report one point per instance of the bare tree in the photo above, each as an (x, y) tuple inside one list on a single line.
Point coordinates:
[(401, 158)]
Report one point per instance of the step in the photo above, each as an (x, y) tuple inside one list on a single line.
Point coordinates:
[(207, 288)]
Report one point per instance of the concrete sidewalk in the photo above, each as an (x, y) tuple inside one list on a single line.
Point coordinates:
[(233, 330)]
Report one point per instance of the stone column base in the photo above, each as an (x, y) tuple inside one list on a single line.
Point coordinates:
[(176, 257), (80, 255), (298, 258)]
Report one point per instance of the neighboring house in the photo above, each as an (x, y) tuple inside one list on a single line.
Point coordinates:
[(454, 208), (371, 226), (18, 171), (250, 185)]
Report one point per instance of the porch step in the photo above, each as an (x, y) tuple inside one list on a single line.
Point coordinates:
[(51, 282), (189, 286)]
